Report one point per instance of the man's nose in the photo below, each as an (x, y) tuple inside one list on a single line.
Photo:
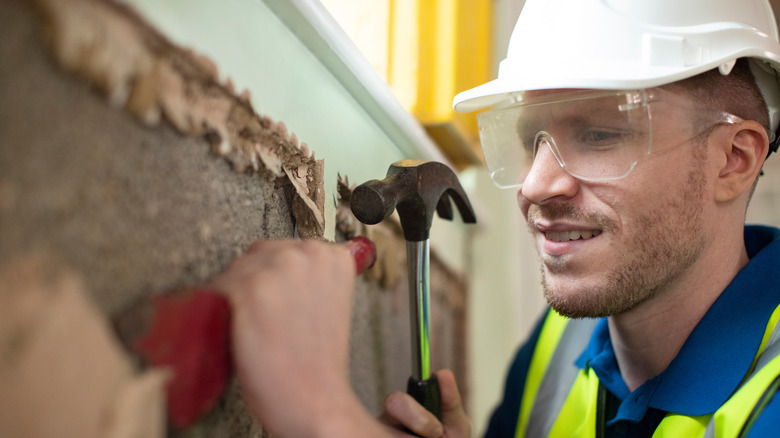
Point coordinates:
[(547, 180)]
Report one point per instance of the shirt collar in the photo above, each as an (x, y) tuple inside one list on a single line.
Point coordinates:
[(718, 353)]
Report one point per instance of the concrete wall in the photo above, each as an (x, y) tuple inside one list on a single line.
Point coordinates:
[(114, 191)]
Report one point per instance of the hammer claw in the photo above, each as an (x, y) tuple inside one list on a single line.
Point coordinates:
[(464, 207), (416, 189), (444, 208)]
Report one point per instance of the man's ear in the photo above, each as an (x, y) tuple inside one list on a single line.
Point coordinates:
[(744, 155)]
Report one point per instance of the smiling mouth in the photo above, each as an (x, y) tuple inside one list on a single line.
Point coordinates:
[(566, 236)]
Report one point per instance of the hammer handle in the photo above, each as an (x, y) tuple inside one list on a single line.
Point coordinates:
[(422, 385), (418, 261)]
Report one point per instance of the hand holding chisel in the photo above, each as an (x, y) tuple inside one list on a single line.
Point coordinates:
[(190, 333)]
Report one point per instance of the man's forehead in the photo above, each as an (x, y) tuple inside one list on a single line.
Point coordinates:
[(671, 91), (569, 101), (535, 94), (568, 96)]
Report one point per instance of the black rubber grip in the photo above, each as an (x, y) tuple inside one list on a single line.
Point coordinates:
[(426, 392)]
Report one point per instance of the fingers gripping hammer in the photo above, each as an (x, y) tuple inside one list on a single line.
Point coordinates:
[(416, 189)]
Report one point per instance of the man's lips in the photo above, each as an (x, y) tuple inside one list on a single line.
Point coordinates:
[(566, 236), (564, 228), (565, 240)]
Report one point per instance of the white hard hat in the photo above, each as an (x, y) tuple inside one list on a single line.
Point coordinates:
[(632, 44)]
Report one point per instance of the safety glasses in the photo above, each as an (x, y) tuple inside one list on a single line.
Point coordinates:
[(593, 135)]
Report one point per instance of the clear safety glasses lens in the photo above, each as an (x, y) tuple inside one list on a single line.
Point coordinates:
[(593, 136)]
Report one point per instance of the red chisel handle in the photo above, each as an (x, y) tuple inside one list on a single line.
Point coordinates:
[(363, 251)]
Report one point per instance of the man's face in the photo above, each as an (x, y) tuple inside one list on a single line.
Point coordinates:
[(607, 247)]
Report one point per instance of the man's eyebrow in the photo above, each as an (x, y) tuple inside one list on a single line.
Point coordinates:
[(526, 123)]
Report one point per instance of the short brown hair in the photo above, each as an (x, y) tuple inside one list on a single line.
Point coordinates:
[(735, 93)]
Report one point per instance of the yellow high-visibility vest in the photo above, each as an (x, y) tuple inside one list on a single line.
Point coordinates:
[(561, 400)]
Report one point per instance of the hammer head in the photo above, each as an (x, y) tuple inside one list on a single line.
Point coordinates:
[(416, 189)]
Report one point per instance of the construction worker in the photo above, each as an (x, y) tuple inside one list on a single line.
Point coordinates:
[(634, 132)]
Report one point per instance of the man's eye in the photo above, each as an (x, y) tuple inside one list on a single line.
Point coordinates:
[(603, 137), (528, 142)]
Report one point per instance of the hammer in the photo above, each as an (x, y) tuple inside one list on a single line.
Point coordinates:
[(416, 189)]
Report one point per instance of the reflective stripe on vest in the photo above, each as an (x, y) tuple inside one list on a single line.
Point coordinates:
[(561, 400)]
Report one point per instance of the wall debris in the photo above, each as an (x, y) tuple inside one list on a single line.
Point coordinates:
[(139, 70)]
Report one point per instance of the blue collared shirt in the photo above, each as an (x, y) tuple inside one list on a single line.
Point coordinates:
[(706, 371)]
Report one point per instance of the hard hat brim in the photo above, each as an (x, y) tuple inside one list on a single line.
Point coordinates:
[(500, 90)]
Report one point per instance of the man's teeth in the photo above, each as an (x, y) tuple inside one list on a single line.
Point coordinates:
[(565, 236)]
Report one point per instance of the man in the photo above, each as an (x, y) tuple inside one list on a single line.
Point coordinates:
[(634, 132)]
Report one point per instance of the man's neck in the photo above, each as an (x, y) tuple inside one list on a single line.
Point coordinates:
[(647, 338)]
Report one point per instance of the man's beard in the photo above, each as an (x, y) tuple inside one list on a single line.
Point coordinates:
[(666, 242)]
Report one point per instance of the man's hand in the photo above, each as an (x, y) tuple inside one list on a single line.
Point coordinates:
[(291, 303), (402, 413)]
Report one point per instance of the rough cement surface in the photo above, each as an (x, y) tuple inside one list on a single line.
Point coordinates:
[(138, 211), (133, 211)]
